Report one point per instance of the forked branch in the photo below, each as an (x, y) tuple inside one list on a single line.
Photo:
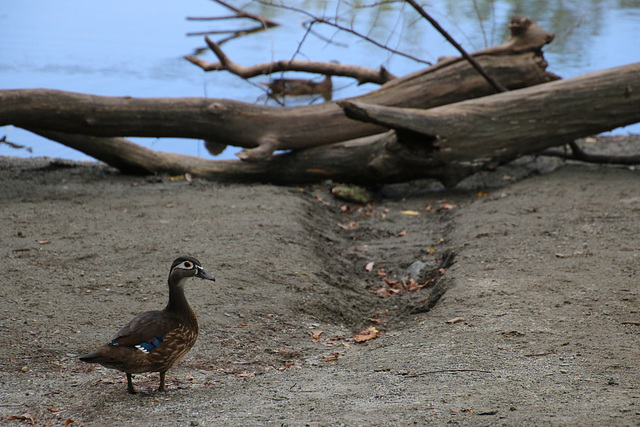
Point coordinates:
[(361, 74)]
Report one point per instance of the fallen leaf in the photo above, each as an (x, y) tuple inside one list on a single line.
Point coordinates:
[(414, 286), (369, 267), (448, 206), (368, 334), (245, 374), (375, 320), (429, 208), (334, 356), (350, 226), (384, 292), (402, 233), (410, 212), (455, 320), (381, 272), (28, 418), (390, 283), (68, 421), (481, 194), (44, 242), (442, 270), (316, 335), (345, 344)]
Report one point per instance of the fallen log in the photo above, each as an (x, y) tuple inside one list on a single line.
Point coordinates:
[(447, 143), (453, 141), (261, 130)]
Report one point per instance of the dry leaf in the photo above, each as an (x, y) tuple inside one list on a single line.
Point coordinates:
[(316, 335), (334, 356), (350, 226), (366, 335), (448, 206), (481, 194), (383, 292), (44, 242), (245, 374), (369, 267), (68, 421), (402, 233), (28, 418), (455, 320), (409, 212)]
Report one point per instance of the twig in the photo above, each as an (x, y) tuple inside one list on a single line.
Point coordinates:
[(578, 154), (315, 19), (265, 23), (443, 371), (498, 87), (268, 23)]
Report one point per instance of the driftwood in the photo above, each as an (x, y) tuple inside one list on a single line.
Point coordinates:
[(447, 143), (261, 129), (361, 74)]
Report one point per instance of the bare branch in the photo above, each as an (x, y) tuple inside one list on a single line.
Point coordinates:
[(473, 62), (579, 154), (361, 74), (267, 23), (314, 19)]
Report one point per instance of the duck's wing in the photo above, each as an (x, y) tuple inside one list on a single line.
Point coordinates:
[(146, 331)]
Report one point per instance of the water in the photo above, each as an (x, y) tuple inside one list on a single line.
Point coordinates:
[(130, 48)]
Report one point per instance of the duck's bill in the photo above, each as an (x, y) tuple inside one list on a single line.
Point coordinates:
[(203, 275)]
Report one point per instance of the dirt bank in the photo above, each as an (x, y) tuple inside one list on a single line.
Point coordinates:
[(544, 283)]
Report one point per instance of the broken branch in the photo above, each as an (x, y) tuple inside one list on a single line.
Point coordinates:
[(361, 74)]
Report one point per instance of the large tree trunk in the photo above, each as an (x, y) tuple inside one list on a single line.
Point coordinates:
[(261, 130), (448, 143)]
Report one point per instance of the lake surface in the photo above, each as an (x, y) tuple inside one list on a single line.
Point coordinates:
[(121, 47)]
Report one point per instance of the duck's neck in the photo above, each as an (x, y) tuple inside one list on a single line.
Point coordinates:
[(178, 304)]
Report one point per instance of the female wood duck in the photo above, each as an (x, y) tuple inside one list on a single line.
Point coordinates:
[(156, 340)]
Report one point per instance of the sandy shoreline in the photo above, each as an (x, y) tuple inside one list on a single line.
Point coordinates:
[(545, 279)]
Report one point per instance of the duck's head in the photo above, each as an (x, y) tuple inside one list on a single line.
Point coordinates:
[(186, 267)]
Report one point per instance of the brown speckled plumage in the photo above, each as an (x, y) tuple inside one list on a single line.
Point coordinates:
[(155, 340)]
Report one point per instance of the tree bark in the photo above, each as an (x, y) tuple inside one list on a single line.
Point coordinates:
[(453, 141), (447, 143), (260, 129)]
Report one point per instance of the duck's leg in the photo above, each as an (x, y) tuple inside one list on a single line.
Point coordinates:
[(162, 374), (130, 384)]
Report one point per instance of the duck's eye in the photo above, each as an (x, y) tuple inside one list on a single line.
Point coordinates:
[(187, 264)]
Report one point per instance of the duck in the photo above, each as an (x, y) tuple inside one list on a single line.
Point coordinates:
[(154, 341)]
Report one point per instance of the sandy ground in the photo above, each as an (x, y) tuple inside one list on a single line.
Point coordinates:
[(536, 322)]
